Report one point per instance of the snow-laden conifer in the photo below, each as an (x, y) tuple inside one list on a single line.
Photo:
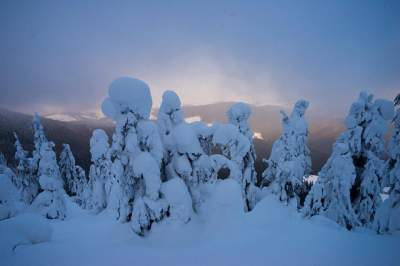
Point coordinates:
[(50, 202), (99, 184), (290, 159), (68, 170), (238, 115), (24, 180), (367, 124), (183, 156), (330, 194), (388, 214), (134, 194)]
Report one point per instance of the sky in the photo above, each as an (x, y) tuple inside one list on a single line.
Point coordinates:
[(61, 56)]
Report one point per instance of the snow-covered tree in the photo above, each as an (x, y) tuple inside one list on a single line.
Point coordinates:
[(234, 146), (238, 115), (136, 146), (9, 195), (204, 135), (359, 168), (4, 169), (68, 171), (367, 123), (330, 195), (392, 169), (80, 184), (179, 199), (388, 214), (24, 180), (290, 159), (50, 201), (387, 217), (183, 157), (3, 162), (99, 184), (38, 139)]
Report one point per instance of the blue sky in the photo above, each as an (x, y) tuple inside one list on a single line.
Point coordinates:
[(62, 55)]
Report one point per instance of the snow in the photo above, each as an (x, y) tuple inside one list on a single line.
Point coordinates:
[(98, 144), (185, 139), (127, 94), (179, 200), (226, 202), (311, 178), (24, 229), (61, 117), (155, 198), (144, 165), (49, 183), (192, 119), (258, 135), (271, 234), (386, 108), (8, 197)]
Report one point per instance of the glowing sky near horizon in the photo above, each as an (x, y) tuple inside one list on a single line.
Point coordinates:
[(62, 55)]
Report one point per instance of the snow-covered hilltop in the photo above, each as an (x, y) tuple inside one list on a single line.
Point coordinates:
[(164, 179)]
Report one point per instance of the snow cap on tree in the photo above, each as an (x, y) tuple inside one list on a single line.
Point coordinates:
[(98, 144), (127, 94), (238, 115), (171, 105)]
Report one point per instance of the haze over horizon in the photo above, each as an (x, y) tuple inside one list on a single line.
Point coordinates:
[(61, 56)]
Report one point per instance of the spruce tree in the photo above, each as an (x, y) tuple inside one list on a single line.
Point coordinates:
[(183, 156), (330, 195), (290, 159), (24, 180), (50, 202), (366, 126), (388, 214), (68, 171), (132, 198), (238, 115), (359, 170), (100, 171)]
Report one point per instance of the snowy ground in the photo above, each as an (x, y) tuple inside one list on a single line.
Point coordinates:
[(271, 234)]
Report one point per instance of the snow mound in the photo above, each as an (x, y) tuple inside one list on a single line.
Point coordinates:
[(226, 202), (8, 197), (177, 195), (25, 229), (127, 94)]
